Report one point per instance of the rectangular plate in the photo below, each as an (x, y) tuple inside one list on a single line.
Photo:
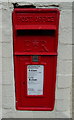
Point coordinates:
[(35, 78)]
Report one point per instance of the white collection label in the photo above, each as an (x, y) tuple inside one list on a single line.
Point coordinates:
[(35, 77)]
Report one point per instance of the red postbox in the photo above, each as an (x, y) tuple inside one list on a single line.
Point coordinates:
[(35, 41)]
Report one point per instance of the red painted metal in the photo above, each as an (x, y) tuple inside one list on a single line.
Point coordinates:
[(35, 32)]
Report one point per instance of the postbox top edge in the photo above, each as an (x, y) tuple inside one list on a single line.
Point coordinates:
[(38, 10)]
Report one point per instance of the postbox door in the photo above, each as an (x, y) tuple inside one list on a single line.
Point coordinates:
[(29, 96)]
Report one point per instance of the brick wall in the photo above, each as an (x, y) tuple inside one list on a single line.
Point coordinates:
[(72, 61), (0, 61), (64, 67)]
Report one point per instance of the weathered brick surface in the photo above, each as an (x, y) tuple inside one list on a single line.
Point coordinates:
[(64, 81), (64, 67), (8, 78)]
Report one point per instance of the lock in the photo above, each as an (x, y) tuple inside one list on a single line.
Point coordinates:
[(35, 58)]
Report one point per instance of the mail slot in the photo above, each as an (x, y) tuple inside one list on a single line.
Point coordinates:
[(35, 42)]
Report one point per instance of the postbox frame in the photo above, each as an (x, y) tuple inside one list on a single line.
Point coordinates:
[(17, 54)]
